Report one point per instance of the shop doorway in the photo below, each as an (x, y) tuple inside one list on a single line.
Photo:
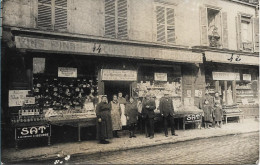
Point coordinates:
[(113, 87), (227, 91)]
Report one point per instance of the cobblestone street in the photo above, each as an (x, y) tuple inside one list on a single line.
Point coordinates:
[(233, 149)]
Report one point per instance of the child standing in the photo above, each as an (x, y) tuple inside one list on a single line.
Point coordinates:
[(131, 113), (208, 112)]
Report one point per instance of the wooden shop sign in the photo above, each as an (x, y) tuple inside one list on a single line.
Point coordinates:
[(160, 76), (119, 75), (226, 76), (32, 131), (67, 72)]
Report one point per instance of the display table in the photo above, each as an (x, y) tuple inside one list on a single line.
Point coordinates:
[(74, 121), (233, 112), (188, 115)]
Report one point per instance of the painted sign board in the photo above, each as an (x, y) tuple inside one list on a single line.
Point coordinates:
[(32, 131), (160, 76), (119, 75), (226, 76), (17, 97), (67, 72)]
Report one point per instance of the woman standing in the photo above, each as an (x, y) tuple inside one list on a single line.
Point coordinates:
[(116, 116), (104, 123), (131, 113), (218, 113)]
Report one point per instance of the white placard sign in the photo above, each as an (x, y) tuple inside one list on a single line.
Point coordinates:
[(160, 76), (119, 75), (247, 77), (67, 72), (225, 76), (17, 97)]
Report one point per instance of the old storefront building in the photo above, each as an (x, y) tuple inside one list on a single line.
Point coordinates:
[(60, 56)]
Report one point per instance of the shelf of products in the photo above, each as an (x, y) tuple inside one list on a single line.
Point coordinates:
[(246, 94)]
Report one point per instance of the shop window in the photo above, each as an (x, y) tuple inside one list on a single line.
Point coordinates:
[(165, 24), (52, 14), (214, 28), (116, 25)]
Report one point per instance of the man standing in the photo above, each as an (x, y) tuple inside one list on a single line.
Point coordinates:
[(148, 115), (167, 110), (104, 122)]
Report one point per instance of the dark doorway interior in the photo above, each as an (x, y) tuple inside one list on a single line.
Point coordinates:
[(113, 87)]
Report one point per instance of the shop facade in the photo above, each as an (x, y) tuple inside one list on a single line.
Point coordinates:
[(63, 78), (235, 77)]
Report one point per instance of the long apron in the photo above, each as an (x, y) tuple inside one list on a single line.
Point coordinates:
[(123, 117)]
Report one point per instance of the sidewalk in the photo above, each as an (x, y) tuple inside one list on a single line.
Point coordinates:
[(124, 143)]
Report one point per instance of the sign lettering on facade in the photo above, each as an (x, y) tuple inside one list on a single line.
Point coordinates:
[(107, 49), (17, 97), (119, 75), (67, 72), (226, 76), (160, 76), (232, 58), (33, 131)]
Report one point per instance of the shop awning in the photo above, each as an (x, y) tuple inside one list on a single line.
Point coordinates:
[(232, 58)]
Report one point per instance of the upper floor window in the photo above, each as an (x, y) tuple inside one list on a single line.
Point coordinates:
[(116, 25), (214, 30), (165, 22), (247, 33), (52, 14)]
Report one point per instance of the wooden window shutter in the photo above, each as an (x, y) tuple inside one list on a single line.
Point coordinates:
[(44, 14), (204, 26), (225, 30), (122, 32), (160, 15), (110, 20), (60, 15), (238, 25), (170, 25), (256, 34)]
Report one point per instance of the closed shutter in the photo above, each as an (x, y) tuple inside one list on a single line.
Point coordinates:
[(60, 15), (122, 19), (238, 25), (170, 25), (225, 30), (44, 14), (204, 26), (110, 21), (160, 15), (256, 34)]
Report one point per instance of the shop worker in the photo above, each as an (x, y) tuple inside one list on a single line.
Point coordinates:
[(131, 113), (122, 102), (167, 111), (104, 123), (148, 115), (116, 116)]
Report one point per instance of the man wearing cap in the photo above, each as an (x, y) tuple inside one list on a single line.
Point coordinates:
[(148, 115), (166, 110), (104, 121)]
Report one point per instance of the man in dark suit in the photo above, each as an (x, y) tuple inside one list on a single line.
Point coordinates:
[(148, 115), (167, 110)]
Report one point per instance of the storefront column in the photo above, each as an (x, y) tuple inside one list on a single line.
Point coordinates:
[(217, 86), (100, 83), (234, 92), (225, 88)]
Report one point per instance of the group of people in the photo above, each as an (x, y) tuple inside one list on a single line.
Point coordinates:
[(112, 116), (212, 108)]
